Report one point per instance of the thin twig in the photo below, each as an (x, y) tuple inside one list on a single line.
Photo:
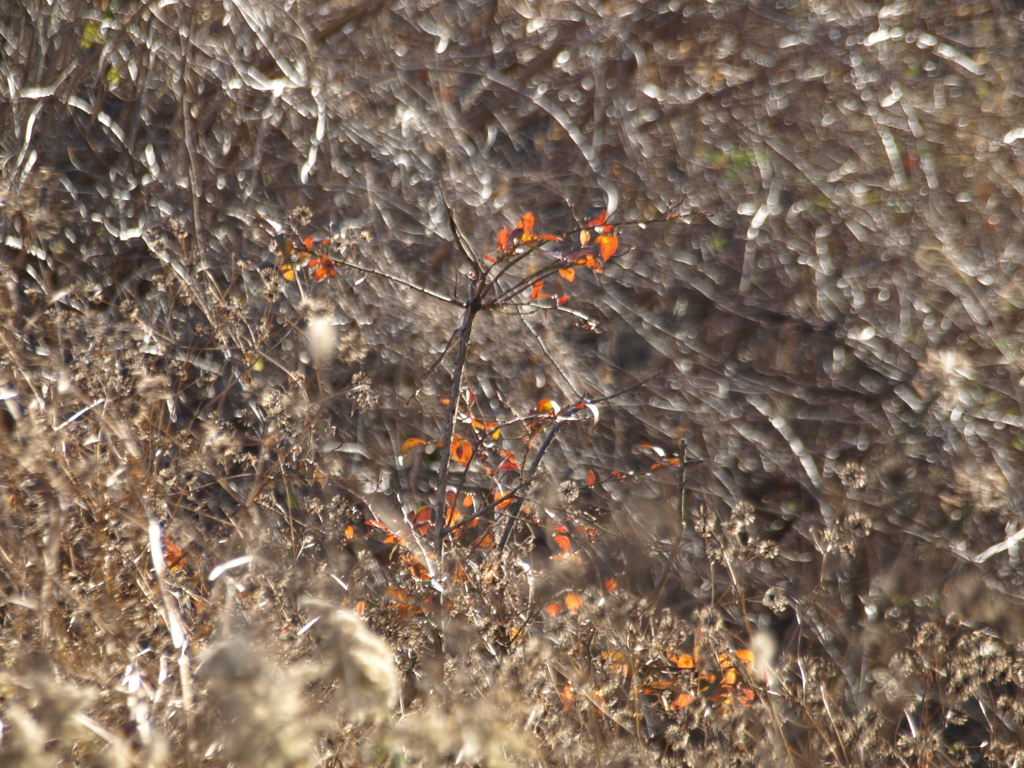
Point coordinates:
[(682, 525), (513, 515)]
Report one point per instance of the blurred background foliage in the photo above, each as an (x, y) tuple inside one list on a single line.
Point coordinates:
[(833, 325)]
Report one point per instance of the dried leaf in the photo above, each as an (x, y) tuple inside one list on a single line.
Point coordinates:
[(409, 444), (681, 660), (681, 701), (462, 451)]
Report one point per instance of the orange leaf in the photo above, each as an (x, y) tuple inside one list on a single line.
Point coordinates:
[(618, 661), (562, 538), (601, 218), (562, 300), (390, 538), (350, 532), (611, 584), (607, 244), (573, 602), (409, 444), (549, 238), (416, 569), (462, 451), (681, 701), (591, 478), (421, 520), (547, 406), (536, 292), (568, 697), (526, 224), (174, 556), (467, 500), (308, 243), (323, 267), (568, 273), (554, 609), (681, 660), (399, 595), (503, 238)]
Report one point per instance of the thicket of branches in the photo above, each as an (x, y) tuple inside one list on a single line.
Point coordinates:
[(306, 462)]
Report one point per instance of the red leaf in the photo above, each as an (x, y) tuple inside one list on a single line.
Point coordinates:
[(509, 464), (562, 538), (601, 218), (421, 520), (591, 478), (611, 584), (562, 300)]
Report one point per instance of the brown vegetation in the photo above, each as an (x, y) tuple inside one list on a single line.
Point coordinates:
[(315, 451)]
